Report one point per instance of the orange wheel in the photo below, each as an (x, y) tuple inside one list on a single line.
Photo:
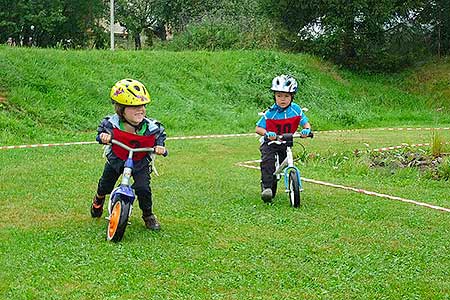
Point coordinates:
[(118, 220), (114, 220)]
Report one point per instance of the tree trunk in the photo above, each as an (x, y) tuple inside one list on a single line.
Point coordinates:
[(137, 41)]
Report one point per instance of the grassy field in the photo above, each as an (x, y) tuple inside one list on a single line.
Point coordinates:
[(219, 240)]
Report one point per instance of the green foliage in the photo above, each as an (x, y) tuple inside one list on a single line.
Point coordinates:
[(56, 95), (365, 35), (48, 23), (443, 169), (207, 36), (137, 15), (437, 144), (223, 29)]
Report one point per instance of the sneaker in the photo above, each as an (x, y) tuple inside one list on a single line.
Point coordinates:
[(151, 222), (266, 195), (97, 207)]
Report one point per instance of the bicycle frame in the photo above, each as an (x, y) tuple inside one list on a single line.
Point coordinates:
[(125, 186), (283, 168)]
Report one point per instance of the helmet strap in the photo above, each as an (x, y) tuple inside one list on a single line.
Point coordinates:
[(136, 127)]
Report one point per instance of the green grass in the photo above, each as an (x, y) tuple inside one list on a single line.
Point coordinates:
[(55, 95), (219, 240)]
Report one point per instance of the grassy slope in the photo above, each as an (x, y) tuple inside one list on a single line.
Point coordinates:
[(54, 95), (219, 241)]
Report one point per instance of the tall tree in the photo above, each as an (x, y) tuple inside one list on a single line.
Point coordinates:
[(137, 15), (49, 22), (435, 14), (30, 22), (355, 33)]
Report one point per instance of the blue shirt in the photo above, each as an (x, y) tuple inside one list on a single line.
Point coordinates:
[(276, 113)]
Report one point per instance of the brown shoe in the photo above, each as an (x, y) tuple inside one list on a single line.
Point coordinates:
[(97, 207), (151, 222)]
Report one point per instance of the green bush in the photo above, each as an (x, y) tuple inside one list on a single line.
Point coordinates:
[(214, 33), (443, 170)]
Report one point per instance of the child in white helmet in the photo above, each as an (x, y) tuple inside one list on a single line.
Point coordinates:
[(284, 116), (130, 126)]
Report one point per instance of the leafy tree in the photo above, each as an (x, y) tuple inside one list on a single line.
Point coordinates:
[(357, 33), (30, 22), (49, 22), (82, 20), (435, 16), (137, 15)]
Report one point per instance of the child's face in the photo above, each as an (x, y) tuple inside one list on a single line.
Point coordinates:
[(134, 114), (283, 99)]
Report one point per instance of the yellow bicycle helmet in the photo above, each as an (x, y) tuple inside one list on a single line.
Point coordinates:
[(129, 92)]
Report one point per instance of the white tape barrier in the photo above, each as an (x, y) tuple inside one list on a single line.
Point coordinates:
[(213, 136), (169, 138), (390, 129), (221, 136), (357, 190), (45, 145), (404, 145)]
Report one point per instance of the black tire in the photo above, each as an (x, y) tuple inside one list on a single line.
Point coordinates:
[(118, 220), (294, 189), (274, 186)]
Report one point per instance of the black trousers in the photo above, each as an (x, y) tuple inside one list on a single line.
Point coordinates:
[(268, 162), (141, 175)]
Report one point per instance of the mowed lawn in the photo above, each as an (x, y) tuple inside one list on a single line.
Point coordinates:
[(219, 240)]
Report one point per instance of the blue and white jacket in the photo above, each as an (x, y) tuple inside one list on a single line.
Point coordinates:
[(282, 120)]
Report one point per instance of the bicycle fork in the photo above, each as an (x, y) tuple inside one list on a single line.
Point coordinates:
[(285, 167), (125, 186)]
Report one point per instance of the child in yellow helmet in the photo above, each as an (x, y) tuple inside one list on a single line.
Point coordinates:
[(130, 126)]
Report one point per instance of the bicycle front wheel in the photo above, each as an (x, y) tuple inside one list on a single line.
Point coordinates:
[(118, 220), (294, 189)]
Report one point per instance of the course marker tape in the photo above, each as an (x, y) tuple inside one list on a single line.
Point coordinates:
[(357, 190), (221, 136), (210, 136), (404, 145), (45, 145), (388, 129)]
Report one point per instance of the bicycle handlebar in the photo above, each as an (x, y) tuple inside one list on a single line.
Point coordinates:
[(126, 147), (297, 135), (288, 137)]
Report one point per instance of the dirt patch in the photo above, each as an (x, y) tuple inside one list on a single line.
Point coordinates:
[(2, 99)]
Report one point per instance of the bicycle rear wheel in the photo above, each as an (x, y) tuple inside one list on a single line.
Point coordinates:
[(294, 189), (118, 220)]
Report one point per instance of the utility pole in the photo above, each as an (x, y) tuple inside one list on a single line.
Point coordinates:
[(111, 22)]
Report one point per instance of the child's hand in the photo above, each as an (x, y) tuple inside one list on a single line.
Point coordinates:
[(305, 132), (270, 135), (105, 138), (160, 150)]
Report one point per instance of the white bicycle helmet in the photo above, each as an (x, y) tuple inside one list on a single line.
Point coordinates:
[(284, 83)]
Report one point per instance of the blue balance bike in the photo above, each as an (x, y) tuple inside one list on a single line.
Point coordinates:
[(122, 197), (286, 168)]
